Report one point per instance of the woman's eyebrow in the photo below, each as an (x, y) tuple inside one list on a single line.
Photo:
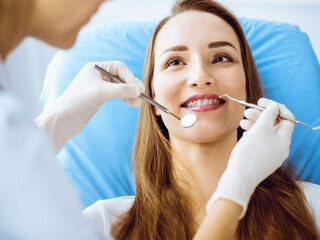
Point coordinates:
[(178, 48), (221, 44)]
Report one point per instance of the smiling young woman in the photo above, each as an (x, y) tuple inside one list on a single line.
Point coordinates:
[(195, 55)]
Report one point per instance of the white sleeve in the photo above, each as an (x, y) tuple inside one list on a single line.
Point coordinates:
[(104, 213), (37, 202), (312, 193), (98, 216)]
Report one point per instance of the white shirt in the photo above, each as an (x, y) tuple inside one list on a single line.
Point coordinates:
[(104, 213), (37, 202), (3, 76)]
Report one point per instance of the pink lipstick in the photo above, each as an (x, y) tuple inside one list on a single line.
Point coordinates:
[(203, 103)]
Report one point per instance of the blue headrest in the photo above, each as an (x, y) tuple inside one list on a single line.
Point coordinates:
[(98, 160)]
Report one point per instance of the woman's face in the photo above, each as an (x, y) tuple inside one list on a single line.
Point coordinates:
[(198, 59)]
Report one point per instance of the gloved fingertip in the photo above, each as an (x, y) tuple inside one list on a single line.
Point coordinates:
[(141, 86), (264, 102), (245, 124), (285, 111), (124, 90), (270, 114), (137, 90), (274, 105), (252, 113), (101, 64), (133, 102), (136, 102)]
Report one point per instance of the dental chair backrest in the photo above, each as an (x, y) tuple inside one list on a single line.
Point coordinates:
[(98, 160)]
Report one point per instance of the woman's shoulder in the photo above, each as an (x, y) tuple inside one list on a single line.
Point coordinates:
[(312, 193), (311, 190), (114, 206), (104, 213)]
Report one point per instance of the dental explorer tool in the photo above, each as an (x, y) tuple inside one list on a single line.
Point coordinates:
[(244, 103), (187, 120)]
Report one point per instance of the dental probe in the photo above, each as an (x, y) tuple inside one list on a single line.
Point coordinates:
[(244, 103), (188, 120)]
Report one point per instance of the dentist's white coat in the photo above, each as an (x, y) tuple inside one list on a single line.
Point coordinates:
[(37, 202)]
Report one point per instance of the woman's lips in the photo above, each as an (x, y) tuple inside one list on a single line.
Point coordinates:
[(203, 103), (204, 108)]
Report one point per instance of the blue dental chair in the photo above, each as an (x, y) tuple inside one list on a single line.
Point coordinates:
[(98, 160)]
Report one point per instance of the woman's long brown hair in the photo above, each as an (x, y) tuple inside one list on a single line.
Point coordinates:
[(278, 208)]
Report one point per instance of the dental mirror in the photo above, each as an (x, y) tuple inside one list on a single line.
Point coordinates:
[(188, 120)]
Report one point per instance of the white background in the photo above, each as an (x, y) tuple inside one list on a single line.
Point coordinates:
[(27, 65)]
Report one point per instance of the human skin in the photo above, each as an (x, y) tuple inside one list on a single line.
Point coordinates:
[(54, 22), (57, 23), (221, 222), (191, 69)]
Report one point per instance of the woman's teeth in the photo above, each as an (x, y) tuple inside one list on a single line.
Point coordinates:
[(201, 102)]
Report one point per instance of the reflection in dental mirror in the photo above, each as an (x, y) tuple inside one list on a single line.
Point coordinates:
[(188, 120)]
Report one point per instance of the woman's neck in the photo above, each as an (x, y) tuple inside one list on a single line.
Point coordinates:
[(14, 19), (199, 166)]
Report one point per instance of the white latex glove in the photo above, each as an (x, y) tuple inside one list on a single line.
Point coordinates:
[(81, 100), (259, 153)]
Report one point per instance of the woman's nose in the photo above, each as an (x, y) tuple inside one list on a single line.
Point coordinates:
[(200, 77)]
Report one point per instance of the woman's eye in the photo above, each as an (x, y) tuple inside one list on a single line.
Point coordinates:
[(174, 62), (221, 59)]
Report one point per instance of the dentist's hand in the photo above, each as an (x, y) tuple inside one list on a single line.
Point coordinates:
[(81, 100), (259, 153)]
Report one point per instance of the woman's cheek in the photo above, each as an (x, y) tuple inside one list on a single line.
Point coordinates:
[(163, 94), (165, 88)]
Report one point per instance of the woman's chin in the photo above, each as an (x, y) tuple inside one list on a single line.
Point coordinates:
[(211, 134)]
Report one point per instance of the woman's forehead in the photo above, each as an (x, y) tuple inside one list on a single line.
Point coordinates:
[(194, 29)]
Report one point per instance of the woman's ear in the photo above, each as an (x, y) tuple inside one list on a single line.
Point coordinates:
[(157, 111)]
